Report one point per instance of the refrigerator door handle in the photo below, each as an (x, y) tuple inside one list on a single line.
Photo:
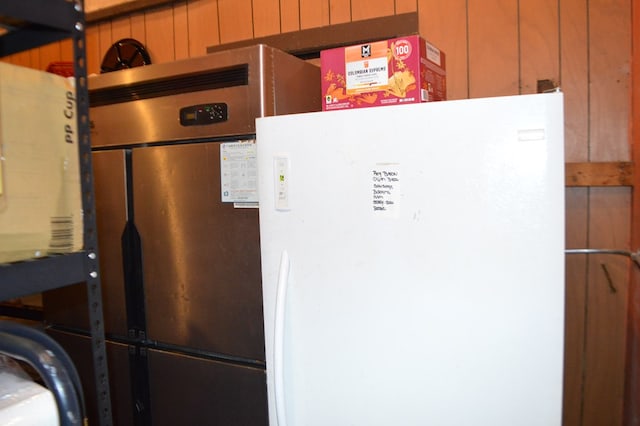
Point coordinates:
[(278, 347), (133, 279)]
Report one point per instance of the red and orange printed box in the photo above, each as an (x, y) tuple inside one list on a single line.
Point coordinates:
[(389, 72)]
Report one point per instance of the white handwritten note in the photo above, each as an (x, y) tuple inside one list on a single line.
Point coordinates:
[(385, 190), (239, 172)]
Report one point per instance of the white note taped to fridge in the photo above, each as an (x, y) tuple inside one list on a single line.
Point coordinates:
[(239, 172), (385, 190)]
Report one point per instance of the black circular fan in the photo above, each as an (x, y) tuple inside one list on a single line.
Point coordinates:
[(123, 54)]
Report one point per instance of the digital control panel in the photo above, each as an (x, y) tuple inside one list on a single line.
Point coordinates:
[(199, 115)]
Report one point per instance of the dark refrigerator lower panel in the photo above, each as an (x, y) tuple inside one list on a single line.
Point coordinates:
[(186, 390), (78, 346), (179, 389)]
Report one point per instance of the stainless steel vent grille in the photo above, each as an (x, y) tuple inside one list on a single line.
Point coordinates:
[(220, 78)]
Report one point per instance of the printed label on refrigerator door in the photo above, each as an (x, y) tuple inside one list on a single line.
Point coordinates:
[(239, 172), (385, 189)]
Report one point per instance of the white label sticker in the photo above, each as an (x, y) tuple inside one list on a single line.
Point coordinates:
[(385, 190), (367, 75), (239, 172), (433, 54)]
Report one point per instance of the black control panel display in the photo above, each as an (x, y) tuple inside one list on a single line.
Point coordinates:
[(198, 115)]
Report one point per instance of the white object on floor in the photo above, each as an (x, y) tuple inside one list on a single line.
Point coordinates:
[(24, 402)]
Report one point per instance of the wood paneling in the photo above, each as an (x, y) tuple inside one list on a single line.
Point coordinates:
[(493, 48), (606, 309), (311, 41), (235, 20), (105, 40), (181, 31), (66, 50), (314, 13), (632, 370), (203, 26), (574, 84), (99, 10), (539, 43), (94, 53), (339, 11), (609, 211), (366, 9), (121, 28), (619, 173), (160, 34), (609, 53), (406, 6), (138, 28), (577, 203), (445, 25), (22, 59), (289, 15), (574, 78), (35, 58), (266, 17), (49, 53)]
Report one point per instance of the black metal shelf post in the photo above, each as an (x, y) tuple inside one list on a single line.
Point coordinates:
[(30, 24)]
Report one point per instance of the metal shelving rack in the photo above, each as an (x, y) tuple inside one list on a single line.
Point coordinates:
[(30, 24)]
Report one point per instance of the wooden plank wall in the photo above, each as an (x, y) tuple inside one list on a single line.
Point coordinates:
[(493, 47), (632, 389)]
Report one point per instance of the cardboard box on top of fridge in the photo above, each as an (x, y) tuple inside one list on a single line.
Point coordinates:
[(389, 72), (40, 194)]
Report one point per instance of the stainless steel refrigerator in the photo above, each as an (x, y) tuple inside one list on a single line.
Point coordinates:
[(413, 263), (174, 163)]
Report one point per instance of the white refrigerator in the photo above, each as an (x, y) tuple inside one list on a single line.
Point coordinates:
[(413, 263)]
